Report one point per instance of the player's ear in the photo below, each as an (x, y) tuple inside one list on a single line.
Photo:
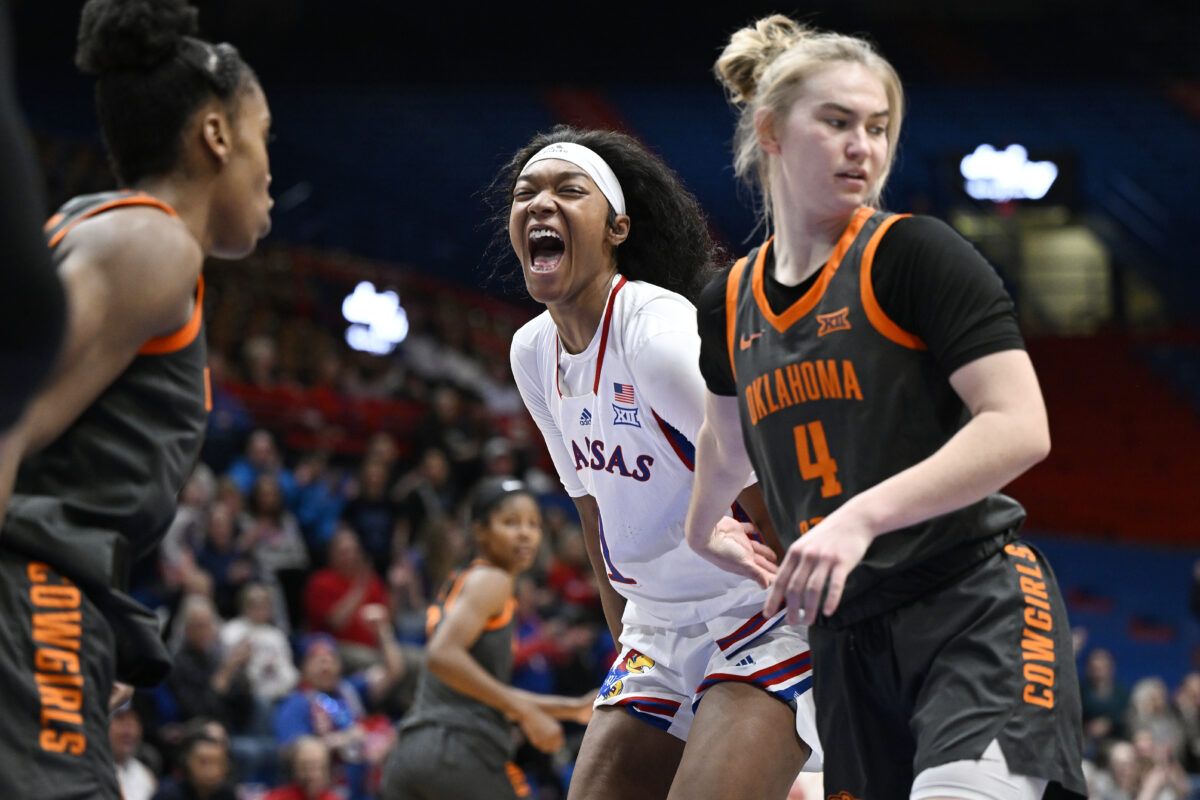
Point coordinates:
[(618, 230), (216, 133), (764, 130)]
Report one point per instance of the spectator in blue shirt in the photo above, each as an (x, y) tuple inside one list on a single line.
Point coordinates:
[(332, 707)]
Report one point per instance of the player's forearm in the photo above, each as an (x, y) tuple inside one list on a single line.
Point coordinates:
[(985, 455), (610, 599), (754, 504), (721, 472), (558, 706), (453, 666)]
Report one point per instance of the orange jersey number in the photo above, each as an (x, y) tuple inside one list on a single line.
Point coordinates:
[(816, 463)]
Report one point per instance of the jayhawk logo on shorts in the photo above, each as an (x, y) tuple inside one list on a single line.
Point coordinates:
[(614, 682)]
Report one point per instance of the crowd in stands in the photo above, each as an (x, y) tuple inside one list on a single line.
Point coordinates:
[(1141, 743)]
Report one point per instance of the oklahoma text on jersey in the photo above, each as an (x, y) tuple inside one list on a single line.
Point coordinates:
[(827, 379)]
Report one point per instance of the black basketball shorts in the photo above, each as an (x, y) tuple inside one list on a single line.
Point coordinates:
[(986, 657), (56, 676)]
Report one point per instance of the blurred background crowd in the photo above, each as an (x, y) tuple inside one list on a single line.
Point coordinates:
[(345, 436)]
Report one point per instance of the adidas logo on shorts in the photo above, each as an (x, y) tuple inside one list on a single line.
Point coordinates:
[(585, 418), (745, 662)]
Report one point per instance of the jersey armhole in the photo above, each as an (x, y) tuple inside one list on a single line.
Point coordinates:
[(185, 335), (878, 318)]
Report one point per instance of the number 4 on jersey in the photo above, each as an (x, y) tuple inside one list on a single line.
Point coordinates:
[(817, 463)]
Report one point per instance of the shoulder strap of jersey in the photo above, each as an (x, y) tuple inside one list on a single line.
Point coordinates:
[(61, 224), (875, 313), (732, 286)]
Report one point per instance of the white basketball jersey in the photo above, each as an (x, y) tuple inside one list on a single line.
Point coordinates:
[(619, 420)]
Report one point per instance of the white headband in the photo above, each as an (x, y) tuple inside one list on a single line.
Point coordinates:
[(588, 161)]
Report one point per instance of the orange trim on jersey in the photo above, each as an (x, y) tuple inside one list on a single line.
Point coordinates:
[(732, 284), (136, 199), (52, 223), (504, 617), (456, 587), (875, 313), (207, 390), (781, 322), (174, 342), (494, 623)]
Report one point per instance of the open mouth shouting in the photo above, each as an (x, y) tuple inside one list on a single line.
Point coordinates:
[(546, 249)]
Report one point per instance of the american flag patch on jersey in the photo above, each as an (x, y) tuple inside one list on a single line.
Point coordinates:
[(623, 393)]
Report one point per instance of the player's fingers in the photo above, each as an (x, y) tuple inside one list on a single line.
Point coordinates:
[(775, 596), (813, 588), (768, 566), (837, 584), (794, 596), (762, 550), (761, 576)]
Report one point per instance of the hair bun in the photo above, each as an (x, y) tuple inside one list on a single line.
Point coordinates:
[(751, 50), (130, 35)]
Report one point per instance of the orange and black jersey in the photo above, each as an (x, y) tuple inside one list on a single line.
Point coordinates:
[(835, 396), (438, 704), (925, 277), (104, 492)]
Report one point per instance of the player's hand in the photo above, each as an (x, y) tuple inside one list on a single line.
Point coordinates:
[(817, 564), (542, 730), (732, 548), (587, 706)]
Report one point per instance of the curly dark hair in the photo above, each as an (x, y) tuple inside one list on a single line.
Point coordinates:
[(669, 244), (152, 74)]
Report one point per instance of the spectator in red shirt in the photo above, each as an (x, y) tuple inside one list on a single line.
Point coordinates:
[(308, 769), (570, 574), (336, 596)]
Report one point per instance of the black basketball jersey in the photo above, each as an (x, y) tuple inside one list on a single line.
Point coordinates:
[(438, 704), (835, 398), (104, 492)]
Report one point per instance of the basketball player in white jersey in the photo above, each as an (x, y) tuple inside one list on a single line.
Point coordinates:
[(613, 246)]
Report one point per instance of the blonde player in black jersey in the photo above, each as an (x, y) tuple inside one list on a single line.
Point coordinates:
[(456, 741), (883, 395), (103, 450)]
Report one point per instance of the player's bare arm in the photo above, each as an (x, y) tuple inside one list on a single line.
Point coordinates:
[(1008, 433), (722, 467), (612, 602)]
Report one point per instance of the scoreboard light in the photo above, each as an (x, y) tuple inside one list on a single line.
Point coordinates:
[(378, 321), (1003, 175)]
